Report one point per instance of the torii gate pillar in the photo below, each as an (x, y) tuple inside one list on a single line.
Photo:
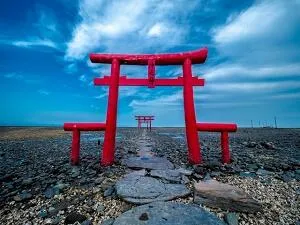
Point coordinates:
[(111, 116), (189, 114)]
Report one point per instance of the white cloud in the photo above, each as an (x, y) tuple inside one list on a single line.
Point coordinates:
[(43, 92), (82, 78), (157, 30), (13, 76), (34, 42), (266, 33), (117, 26), (253, 86), (101, 96), (174, 99), (238, 70)]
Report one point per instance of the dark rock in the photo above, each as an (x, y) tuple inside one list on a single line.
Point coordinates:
[(215, 194), (262, 172), (99, 180), (215, 173), (51, 191), (109, 191), (74, 217), (141, 190), (231, 219), (43, 213), (75, 172), (167, 213), (247, 174), (267, 145), (23, 196), (56, 220), (199, 170), (27, 181), (207, 177), (251, 144), (287, 177)]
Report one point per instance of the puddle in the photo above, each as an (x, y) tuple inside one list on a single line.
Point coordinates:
[(91, 138)]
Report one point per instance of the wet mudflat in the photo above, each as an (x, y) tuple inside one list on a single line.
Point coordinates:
[(39, 186)]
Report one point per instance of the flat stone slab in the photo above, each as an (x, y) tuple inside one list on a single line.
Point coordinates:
[(215, 194), (148, 163), (171, 175), (168, 213), (139, 189)]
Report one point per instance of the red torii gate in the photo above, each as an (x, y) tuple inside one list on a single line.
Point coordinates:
[(144, 119), (185, 59)]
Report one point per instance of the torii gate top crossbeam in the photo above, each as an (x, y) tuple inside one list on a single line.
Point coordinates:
[(196, 57)]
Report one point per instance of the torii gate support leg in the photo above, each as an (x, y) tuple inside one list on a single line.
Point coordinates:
[(225, 147), (75, 147), (189, 114), (150, 125), (111, 116)]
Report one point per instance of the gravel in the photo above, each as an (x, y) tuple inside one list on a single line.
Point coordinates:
[(32, 164)]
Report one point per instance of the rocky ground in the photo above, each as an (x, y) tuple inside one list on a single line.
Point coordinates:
[(39, 186)]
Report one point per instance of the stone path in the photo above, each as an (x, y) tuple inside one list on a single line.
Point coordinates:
[(157, 181), (152, 183)]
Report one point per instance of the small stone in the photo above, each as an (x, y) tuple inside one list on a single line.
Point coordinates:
[(49, 193), (75, 217), (86, 222), (144, 217), (43, 213), (27, 181), (75, 172), (52, 210), (109, 191), (99, 180), (231, 219)]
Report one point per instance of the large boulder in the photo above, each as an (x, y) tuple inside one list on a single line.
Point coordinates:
[(219, 195)]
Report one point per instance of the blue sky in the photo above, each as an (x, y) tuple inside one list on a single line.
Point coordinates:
[(252, 71)]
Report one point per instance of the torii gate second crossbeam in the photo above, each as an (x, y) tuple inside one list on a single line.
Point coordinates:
[(144, 119)]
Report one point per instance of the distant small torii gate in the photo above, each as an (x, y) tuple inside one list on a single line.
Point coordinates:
[(144, 119), (187, 81)]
